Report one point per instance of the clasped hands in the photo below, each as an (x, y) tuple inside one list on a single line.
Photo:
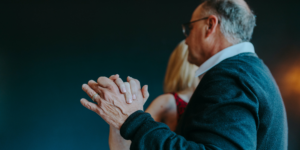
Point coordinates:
[(115, 100)]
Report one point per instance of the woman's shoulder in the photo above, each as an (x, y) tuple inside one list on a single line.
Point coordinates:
[(165, 98), (161, 106), (164, 101)]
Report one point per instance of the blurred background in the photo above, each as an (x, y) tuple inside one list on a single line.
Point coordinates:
[(48, 50)]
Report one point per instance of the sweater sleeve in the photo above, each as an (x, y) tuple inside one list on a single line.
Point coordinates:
[(146, 134), (220, 115)]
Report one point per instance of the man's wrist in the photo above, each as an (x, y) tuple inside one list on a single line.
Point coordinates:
[(132, 123)]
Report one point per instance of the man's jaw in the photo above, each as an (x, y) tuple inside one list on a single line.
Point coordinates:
[(192, 60)]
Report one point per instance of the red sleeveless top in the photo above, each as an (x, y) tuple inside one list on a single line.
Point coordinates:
[(181, 105)]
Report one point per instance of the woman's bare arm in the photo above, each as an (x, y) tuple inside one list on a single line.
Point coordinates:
[(116, 141), (159, 107)]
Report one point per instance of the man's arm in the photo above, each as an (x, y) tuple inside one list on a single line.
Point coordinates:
[(223, 117), (147, 134)]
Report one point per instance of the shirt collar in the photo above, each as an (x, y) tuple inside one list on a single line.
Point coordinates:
[(224, 54)]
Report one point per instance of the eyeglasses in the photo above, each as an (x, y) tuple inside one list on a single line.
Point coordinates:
[(186, 27)]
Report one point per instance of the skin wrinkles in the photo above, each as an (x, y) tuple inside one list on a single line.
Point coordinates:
[(114, 100), (109, 109), (111, 103)]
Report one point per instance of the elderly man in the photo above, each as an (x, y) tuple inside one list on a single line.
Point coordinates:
[(237, 104)]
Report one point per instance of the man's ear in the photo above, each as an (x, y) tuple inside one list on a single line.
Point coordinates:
[(212, 23)]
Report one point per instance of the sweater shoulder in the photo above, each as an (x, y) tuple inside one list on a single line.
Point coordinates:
[(243, 66)]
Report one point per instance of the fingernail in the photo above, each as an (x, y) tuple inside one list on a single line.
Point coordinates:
[(130, 100), (133, 96), (83, 85)]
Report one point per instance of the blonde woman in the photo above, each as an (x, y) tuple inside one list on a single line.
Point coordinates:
[(179, 85)]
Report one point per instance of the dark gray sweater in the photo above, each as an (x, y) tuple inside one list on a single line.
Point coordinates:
[(237, 105)]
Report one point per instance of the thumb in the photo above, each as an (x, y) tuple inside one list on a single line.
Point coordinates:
[(145, 93)]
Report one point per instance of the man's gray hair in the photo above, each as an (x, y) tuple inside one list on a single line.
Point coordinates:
[(237, 22)]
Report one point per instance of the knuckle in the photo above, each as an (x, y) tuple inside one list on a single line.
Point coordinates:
[(101, 79), (100, 105), (110, 87), (113, 76), (97, 99), (90, 93), (97, 111), (90, 82), (132, 82), (106, 96), (88, 106), (137, 81), (119, 81)]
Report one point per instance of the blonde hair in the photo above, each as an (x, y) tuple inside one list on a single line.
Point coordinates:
[(180, 74)]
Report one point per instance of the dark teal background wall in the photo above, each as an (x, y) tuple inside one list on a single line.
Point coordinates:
[(48, 50)]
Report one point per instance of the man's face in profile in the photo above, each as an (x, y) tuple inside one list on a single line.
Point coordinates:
[(195, 39), (199, 41)]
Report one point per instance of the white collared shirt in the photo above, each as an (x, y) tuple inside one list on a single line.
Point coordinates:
[(224, 54)]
